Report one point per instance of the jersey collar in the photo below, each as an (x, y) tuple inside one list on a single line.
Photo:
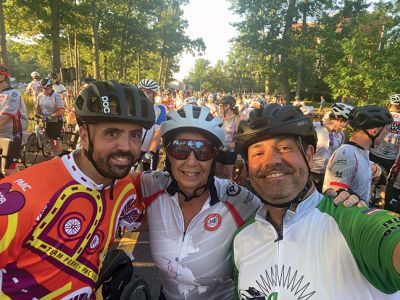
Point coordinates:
[(302, 209), (77, 174)]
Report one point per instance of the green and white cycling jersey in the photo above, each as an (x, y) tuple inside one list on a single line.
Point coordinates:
[(327, 252)]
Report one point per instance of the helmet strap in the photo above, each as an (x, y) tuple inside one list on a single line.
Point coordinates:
[(373, 137), (89, 153), (174, 187)]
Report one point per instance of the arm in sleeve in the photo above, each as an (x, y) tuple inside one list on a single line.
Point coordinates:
[(373, 236), (11, 105), (59, 102), (241, 203), (340, 171)]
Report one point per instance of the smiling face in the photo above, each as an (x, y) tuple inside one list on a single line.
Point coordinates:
[(116, 146), (277, 169), (190, 173)]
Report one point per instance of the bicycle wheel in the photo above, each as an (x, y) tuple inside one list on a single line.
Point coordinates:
[(137, 289), (46, 148), (31, 150)]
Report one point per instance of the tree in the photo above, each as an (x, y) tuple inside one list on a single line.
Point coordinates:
[(198, 74), (3, 41)]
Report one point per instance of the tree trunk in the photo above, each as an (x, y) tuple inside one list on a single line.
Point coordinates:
[(70, 56), (302, 46), (138, 66), (105, 67), (166, 72), (3, 42), (78, 73), (161, 69), (55, 34), (286, 44), (95, 45)]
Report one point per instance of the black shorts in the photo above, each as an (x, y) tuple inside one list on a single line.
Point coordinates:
[(226, 158), (53, 130), (10, 152)]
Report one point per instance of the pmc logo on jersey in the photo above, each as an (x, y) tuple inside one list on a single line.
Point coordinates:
[(213, 222)]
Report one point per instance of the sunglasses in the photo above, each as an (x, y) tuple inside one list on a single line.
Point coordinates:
[(180, 149)]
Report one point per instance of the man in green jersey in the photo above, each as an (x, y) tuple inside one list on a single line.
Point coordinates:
[(300, 245)]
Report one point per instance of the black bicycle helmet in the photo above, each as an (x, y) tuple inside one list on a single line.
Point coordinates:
[(370, 116), (274, 120), (46, 82), (271, 121), (113, 101), (227, 100)]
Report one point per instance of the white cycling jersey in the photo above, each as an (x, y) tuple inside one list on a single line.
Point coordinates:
[(147, 135), (349, 167), (194, 263), (327, 252), (328, 142), (389, 147)]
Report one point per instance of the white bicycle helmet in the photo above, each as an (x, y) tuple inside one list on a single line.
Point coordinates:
[(395, 99), (196, 119), (190, 101), (35, 74), (307, 110), (341, 110), (148, 84)]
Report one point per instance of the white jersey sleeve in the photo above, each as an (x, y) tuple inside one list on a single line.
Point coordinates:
[(349, 167)]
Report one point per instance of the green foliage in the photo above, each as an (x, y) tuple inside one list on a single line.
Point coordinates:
[(339, 49), (135, 38)]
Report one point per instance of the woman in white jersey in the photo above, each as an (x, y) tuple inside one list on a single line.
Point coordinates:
[(226, 156)]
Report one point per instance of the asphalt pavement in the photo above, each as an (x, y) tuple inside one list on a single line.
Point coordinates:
[(138, 245)]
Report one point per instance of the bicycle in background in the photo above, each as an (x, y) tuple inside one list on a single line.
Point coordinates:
[(37, 142)]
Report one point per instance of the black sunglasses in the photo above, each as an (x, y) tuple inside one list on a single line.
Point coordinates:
[(180, 149)]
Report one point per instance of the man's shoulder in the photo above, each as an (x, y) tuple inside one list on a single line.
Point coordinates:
[(345, 150)]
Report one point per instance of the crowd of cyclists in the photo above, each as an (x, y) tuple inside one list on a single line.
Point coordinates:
[(235, 191)]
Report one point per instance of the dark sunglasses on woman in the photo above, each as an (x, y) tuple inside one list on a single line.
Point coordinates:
[(180, 149)]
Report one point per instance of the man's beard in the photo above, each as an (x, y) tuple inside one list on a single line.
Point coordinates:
[(110, 170)]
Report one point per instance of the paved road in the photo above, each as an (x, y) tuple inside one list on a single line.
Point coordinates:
[(144, 268)]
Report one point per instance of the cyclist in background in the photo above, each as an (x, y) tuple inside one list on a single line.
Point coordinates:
[(211, 105), (349, 166), (57, 86), (308, 111), (386, 152), (51, 107), (59, 217), (150, 153), (300, 245), (226, 156), (34, 88), (13, 123), (330, 137), (392, 195)]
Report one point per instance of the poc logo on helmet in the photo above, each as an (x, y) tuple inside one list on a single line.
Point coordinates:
[(106, 104)]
